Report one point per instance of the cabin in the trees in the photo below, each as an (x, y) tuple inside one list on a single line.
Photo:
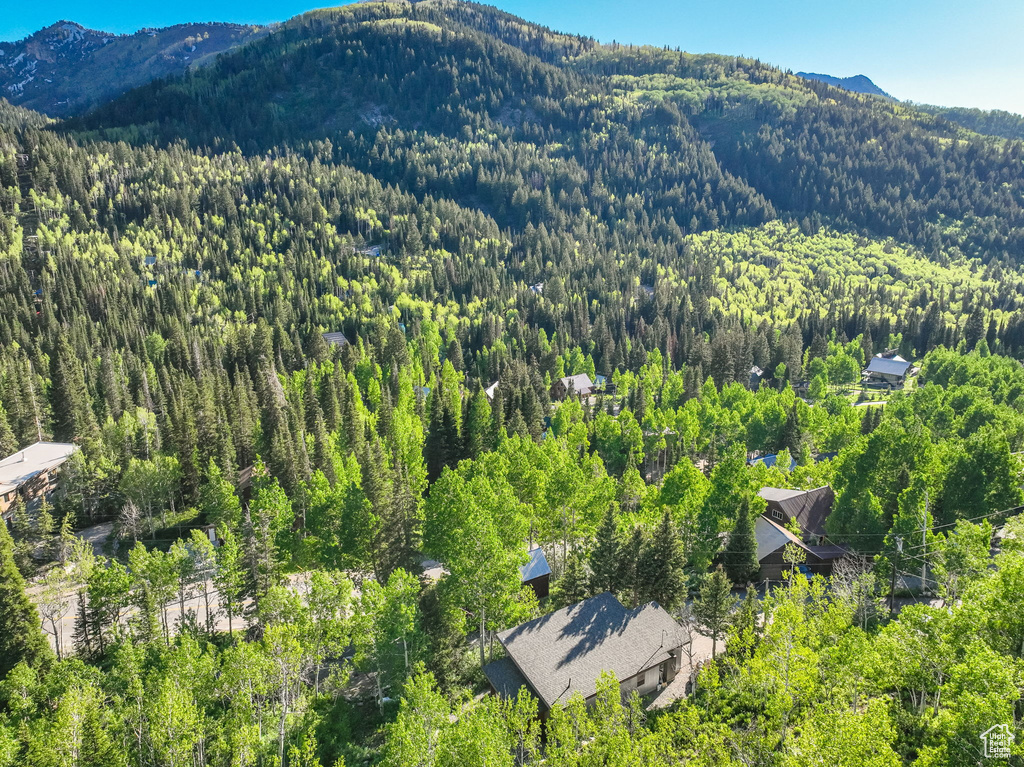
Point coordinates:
[(754, 381), (891, 370), (808, 508), (335, 339), (772, 539), (565, 652), (31, 474), (579, 384), (536, 573), (490, 390)]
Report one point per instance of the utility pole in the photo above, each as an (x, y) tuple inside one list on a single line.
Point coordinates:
[(924, 544), (892, 579)]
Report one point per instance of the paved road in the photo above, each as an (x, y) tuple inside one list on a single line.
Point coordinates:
[(195, 604)]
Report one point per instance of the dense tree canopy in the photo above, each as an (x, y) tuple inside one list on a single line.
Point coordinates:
[(311, 301)]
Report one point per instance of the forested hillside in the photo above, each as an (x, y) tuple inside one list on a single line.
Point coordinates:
[(993, 122), (460, 198)]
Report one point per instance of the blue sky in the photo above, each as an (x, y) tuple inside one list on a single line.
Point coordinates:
[(949, 52)]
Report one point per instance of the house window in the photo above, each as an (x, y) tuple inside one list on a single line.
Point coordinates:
[(777, 514), (641, 678)]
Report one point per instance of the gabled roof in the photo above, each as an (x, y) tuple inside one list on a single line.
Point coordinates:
[(17, 469), (772, 536), (894, 367), (810, 508), (505, 678), (778, 494), (537, 567), (489, 391), (829, 551), (581, 383), (566, 651)]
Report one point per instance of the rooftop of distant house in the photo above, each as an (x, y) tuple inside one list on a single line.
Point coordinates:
[(771, 536), (537, 567), (17, 469), (336, 338), (810, 508), (895, 366), (581, 383)]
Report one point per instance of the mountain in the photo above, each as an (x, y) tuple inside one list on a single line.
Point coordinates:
[(857, 83), (450, 96), (65, 68), (994, 122)]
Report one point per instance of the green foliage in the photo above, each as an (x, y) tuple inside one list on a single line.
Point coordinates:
[(21, 640), (714, 605), (740, 553), (404, 174)]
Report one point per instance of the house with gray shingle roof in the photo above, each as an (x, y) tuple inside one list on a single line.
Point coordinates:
[(565, 652), (580, 384), (892, 370)]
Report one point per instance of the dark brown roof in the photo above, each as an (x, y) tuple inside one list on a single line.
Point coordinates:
[(810, 508), (829, 551)]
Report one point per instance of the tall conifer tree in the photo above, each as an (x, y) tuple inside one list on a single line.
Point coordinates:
[(21, 638)]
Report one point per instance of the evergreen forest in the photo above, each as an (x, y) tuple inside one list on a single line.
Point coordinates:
[(302, 309)]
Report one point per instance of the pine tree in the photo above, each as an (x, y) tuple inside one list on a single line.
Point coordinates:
[(713, 606), (740, 554), (792, 433), (21, 638), (572, 586), (746, 628), (323, 453), (660, 570), (630, 557), (8, 442), (377, 487), (73, 418), (605, 565), (266, 528), (442, 445), (477, 428)]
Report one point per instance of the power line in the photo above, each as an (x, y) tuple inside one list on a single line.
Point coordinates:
[(933, 528)]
